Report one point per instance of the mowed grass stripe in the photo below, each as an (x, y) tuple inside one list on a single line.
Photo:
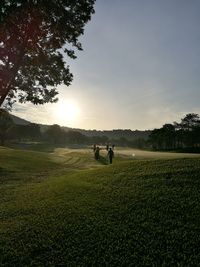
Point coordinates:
[(139, 213)]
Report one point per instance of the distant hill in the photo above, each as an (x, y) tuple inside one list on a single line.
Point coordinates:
[(19, 121), (111, 134), (115, 134)]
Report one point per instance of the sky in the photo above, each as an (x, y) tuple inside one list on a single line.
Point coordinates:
[(140, 68)]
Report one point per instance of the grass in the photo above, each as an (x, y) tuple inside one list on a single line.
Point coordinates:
[(66, 209)]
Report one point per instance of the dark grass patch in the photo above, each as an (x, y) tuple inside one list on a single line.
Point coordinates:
[(103, 160), (33, 146)]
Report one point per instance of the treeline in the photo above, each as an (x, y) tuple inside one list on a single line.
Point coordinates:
[(11, 132), (54, 134), (117, 134), (184, 135)]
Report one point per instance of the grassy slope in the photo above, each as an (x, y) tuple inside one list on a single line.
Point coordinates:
[(134, 213)]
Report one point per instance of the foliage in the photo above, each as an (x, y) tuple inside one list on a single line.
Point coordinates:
[(99, 139), (189, 122), (74, 137), (55, 134), (185, 134), (129, 135), (5, 125), (35, 38), (25, 132)]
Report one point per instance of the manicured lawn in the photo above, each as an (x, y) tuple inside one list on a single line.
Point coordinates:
[(132, 213)]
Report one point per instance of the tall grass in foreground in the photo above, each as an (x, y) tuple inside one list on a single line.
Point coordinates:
[(134, 213)]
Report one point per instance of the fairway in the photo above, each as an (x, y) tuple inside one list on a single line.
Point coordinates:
[(83, 157), (142, 154), (66, 209)]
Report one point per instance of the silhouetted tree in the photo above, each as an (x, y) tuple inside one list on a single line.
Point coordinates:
[(55, 134), (190, 121), (74, 137), (32, 34), (137, 143), (187, 130), (196, 136), (163, 138), (5, 124), (25, 132), (155, 138), (99, 139), (168, 135), (185, 134), (35, 131)]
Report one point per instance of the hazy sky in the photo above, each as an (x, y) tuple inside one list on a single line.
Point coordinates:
[(140, 68)]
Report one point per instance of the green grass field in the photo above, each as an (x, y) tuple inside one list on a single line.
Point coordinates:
[(66, 209)]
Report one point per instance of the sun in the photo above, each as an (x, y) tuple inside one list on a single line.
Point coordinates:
[(66, 112)]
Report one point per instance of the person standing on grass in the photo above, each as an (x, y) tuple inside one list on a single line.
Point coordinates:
[(94, 148), (96, 153), (110, 155)]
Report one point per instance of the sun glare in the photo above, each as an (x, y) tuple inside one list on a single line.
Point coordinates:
[(66, 112)]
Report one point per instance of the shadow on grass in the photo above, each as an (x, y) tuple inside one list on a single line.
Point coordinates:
[(103, 160), (4, 171), (6, 175)]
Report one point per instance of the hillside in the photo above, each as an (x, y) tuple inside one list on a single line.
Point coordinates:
[(19, 121), (112, 134)]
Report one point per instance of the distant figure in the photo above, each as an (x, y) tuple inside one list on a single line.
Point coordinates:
[(110, 155), (94, 148), (96, 153), (107, 147), (113, 146)]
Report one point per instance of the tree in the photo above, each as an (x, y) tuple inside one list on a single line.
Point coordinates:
[(163, 138), (168, 132), (156, 139), (96, 139), (74, 137), (190, 121), (138, 143), (35, 38), (5, 124), (196, 136), (185, 134), (26, 132), (188, 129), (55, 134)]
